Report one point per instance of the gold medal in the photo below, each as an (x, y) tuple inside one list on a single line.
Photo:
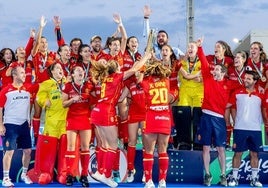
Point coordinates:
[(263, 79)]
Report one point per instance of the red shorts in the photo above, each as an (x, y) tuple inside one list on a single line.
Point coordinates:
[(157, 122), (103, 116), (78, 123)]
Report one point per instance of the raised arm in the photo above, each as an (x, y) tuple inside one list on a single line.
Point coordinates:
[(30, 43), (57, 23), (122, 30), (43, 23), (146, 25), (137, 65)]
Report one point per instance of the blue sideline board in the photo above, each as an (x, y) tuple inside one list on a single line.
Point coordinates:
[(184, 166)]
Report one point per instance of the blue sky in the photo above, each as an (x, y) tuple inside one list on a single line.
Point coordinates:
[(214, 19)]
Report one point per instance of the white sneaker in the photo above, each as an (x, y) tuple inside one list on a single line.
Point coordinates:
[(110, 182), (7, 182), (26, 179), (149, 184), (97, 176), (130, 175), (143, 178), (255, 183), (162, 184)]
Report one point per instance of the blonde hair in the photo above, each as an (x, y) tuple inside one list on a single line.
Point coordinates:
[(156, 68), (101, 70)]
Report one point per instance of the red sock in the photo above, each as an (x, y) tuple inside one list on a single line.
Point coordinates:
[(163, 165), (148, 161), (36, 126), (131, 153), (84, 157), (117, 161), (111, 159), (70, 158), (101, 159)]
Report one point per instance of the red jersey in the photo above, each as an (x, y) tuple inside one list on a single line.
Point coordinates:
[(41, 62), (173, 78), (136, 112), (216, 93), (100, 55), (129, 60), (118, 58), (260, 68), (212, 60), (104, 113), (158, 118), (78, 114), (236, 78), (4, 78)]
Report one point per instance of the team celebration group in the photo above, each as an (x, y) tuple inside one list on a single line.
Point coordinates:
[(104, 94)]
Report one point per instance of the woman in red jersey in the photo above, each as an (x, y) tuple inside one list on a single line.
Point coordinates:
[(136, 108), (236, 74), (103, 115), (7, 57), (258, 61), (22, 54), (76, 97), (42, 58), (117, 46), (157, 126)]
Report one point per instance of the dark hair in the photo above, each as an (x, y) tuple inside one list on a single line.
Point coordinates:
[(50, 68), (2, 53), (255, 75), (81, 47), (128, 39), (76, 39), (110, 40), (225, 45), (262, 54), (162, 31), (60, 48)]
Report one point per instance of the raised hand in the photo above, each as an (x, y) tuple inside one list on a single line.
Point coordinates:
[(57, 21), (147, 11), (117, 18), (32, 32), (43, 21)]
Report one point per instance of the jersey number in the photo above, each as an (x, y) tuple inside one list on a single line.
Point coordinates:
[(160, 95), (103, 88)]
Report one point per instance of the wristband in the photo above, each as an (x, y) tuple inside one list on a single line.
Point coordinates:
[(120, 24), (146, 17)]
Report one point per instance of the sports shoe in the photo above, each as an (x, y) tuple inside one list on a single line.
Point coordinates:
[(116, 176), (149, 184), (207, 179), (143, 178), (26, 179), (130, 175), (110, 182), (223, 180), (69, 180), (233, 182), (84, 181), (98, 177), (7, 182), (255, 183), (162, 184)]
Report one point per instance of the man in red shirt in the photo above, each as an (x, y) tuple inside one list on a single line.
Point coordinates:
[(212, 124)]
